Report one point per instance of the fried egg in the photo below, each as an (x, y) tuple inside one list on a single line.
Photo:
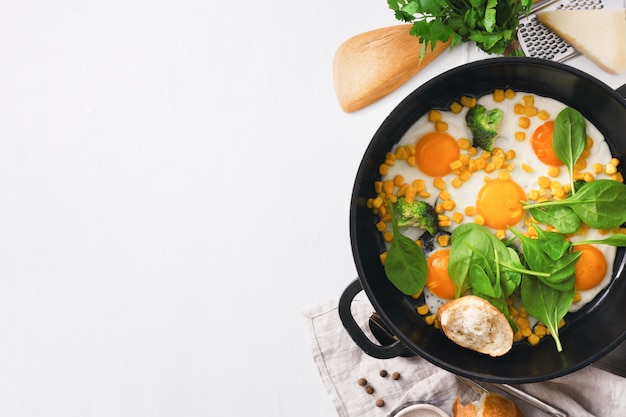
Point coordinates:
[(435, 160), (439, 288)]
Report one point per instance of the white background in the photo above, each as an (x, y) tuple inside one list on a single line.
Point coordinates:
[(175, 180)]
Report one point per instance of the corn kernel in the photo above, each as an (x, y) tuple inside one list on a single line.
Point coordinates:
[(377, 202), (398, 180), (543, 115), (434, 116), (533, 339), (540, 330), (439, 183), (449, 205), (381, 226), (498, 95), (401, 153), (383, 169), (441, 126), (479, 219), (411, 161), (388, 236), (409, 196), (430, 319), (383, 257), (531, 111), (509, 93), (519, 108), (424, 194), (464, 143), (465, 175), (456, 165), (472, 151), (500, 234), (422, 310), (528, 100), (443, 240), (457, 217), (444, 195), (456, 107), (523, 312), (526, 332), (524, 122), (419, 185), (504, 175), (470, 210), (439, 208), (554, 171), (388, 186), (610, 169), (580, 164), (510, 154), (517, 336), (456, 182), (617, 177), (522, 322), (520, 136), (543, 182), (588, 177), (490, 167)]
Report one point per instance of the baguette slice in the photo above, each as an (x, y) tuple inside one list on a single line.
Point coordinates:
[(598, 34), (474, 323), (371, 65), (490, 404)]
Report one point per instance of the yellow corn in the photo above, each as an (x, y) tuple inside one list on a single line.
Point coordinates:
[(381, 226), (457, 182), (383, 257), (524, 122), (383, 169), (457, 217), (464, 143), (540, 330), (519, 108), (554, 171), (509, 93), (528, 100), (470, 210), (456, 107), (439, 183), (411, 161), (430, 319), (422, 310), (455, 165), (533, 339), (479, 219), (443, 240), (527, 168), (388, 236), (531, 111), (544, 182), (520, 136), (441, 126), (444, 195), (610, 169), (419, 185), (543, 115), (498, 95), (449, 205), (434, 116)]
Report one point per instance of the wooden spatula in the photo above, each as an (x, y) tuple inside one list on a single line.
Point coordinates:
[(371, 65)]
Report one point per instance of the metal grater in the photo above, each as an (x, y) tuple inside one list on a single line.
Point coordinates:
[(538, 41)]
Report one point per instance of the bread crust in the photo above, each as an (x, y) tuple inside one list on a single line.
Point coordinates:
[(490, 404)]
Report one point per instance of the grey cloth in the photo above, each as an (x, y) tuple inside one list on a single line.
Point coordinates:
[(341, 363)]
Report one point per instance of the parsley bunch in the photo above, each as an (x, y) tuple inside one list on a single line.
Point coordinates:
[(491, 24)]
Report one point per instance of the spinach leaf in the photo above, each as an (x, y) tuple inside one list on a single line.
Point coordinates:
[(546, 304), (406, 265), (561, 218), (568, 139), (599, 204), (613, 240)]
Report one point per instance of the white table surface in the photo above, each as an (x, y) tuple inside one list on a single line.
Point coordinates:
[(175, 180)]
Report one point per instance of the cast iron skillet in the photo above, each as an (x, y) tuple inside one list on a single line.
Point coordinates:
[(589, 334)]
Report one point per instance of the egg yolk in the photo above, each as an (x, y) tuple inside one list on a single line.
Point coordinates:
[(434, 152), (438, 281), (590, 268), (499, 203), (542, 144)]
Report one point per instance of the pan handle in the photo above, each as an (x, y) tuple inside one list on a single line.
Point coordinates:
[(345, 314), (622, 90)]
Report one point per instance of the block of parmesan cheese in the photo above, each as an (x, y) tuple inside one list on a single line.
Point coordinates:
[(600, 34)]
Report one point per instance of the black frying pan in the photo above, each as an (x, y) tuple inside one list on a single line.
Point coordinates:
[(589, 334)]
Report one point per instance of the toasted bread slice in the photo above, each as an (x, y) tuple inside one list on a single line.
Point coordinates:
[(474, 323)]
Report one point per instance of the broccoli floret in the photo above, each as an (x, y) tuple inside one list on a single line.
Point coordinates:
[(417, 213), (484, 125)]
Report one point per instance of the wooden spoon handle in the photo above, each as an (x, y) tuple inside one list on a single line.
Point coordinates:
[(371, 65)]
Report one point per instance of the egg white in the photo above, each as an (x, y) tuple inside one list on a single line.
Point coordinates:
[(466, 195)]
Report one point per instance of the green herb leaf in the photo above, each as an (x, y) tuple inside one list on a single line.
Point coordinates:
[(562, 218), (599, 204), (613, 240), (546, 304), (568, 139), (406, 265)]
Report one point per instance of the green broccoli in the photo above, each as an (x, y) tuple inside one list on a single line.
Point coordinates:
[(417, 214), (484, 125)]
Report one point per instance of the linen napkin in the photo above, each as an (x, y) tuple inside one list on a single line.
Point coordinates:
[(589, 392)]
